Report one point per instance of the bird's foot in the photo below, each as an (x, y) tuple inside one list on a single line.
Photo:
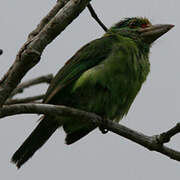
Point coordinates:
[(102, 128)]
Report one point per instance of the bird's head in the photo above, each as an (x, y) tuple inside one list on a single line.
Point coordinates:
[(141, 29)]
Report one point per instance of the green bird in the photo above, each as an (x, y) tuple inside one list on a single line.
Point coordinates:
[(103, 77)]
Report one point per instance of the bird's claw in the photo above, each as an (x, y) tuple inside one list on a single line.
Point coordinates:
[(102, 128)]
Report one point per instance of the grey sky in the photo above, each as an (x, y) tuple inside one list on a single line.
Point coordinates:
[(96, 156)]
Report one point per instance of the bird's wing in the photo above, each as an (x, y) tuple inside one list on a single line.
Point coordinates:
[(88, 56)]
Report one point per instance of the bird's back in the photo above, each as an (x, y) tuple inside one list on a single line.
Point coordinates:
[(110, 87)]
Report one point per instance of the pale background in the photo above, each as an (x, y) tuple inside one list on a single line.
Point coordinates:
[(97, 156)]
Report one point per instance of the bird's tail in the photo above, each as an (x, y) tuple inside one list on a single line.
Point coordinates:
[(37, 138)]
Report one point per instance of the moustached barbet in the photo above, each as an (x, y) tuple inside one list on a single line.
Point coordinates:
[(103, 77)]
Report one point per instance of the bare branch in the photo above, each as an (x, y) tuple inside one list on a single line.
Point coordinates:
[(60, 4), (24, 100), (32, 82), (166, 136), (94, 15), (150, 142), (30, 53)]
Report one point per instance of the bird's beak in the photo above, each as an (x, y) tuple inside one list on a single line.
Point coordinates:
[(151, 33)]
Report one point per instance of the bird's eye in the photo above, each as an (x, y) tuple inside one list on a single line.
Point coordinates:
[(132, 25)]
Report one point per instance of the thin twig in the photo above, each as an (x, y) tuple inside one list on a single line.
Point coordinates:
[(94, 15), (24, 100), (150, 142), (32, 82)]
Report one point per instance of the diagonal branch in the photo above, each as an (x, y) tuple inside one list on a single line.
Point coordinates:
[(94, 15), (32, 82), (30, 53), (150, 142), (60, 4), (24, 100)]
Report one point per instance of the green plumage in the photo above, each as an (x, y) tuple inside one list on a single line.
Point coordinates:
[(103, 77)]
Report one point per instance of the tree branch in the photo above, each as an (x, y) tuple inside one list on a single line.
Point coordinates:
[(30, 53), (150, 142), (94, 15), (24, 100), (32, 82), (166, 136)]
